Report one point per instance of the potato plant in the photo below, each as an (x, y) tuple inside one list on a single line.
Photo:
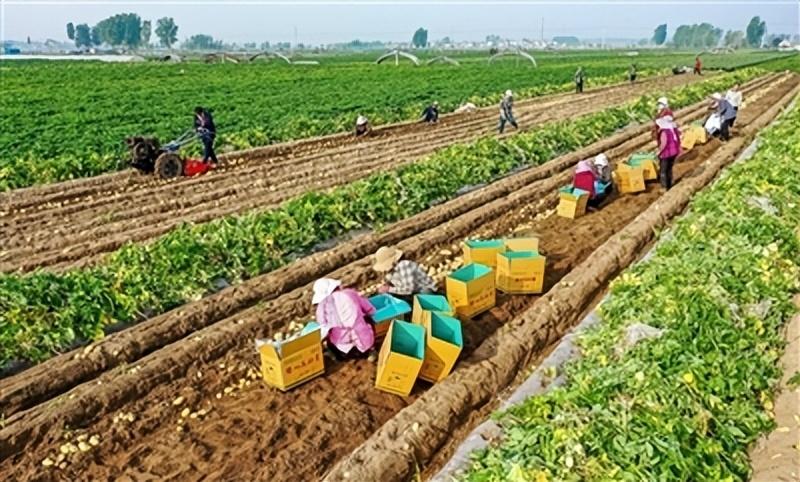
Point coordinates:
[(42, 313), (684, 406)]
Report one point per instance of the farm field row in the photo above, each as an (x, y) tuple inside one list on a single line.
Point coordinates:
[(305, 424), (51, 311), (691, 401), (97, 105)]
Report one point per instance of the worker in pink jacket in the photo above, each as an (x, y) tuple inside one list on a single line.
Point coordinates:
[(669, 148), (341, 316)]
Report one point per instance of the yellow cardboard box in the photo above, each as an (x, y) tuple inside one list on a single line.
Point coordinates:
[(424, 305), (401, 357), (572, 202), (286, 364), (470, 290), (520, 272), (521, 244), (693, 135), (648, 162), (443, 344), (483, 252), (629, 179)]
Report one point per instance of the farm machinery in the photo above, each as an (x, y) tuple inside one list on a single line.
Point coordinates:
[(149, 156)]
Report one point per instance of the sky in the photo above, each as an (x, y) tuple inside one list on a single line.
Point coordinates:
[(320, 21)]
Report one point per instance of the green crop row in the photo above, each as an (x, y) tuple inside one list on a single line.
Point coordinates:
[(76, 129), (686, 405), (42, 313)]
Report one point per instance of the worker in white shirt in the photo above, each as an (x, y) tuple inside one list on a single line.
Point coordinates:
[(734, 97)]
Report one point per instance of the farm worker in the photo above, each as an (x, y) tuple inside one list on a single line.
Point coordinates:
[(580, 79), (506, 113), (431, 113), (726, 115), (669, 147), (662, 110), (734, 97), (340, 314), (362, 126), (632, 73), (204, 125), (602, 169), (698, 66), (403, 277)]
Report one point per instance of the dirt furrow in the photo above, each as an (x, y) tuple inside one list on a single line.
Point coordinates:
[(111, 182), (63, 372), (65, 248), (235, 438)]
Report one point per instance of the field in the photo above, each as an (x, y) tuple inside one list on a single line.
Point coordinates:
[(129, 305), (77, 129)]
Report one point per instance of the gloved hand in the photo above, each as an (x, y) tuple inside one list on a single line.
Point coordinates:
[(384, 288)]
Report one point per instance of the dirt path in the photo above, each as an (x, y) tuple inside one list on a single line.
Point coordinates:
[(776, 456), (255, 432), (80, 230)]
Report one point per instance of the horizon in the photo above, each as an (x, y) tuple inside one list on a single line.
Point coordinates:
[(246, 21)]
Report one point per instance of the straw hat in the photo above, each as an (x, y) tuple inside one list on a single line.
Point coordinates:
[(385, 258), (323, 288)]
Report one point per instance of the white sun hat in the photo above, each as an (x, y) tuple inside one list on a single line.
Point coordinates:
[(323, 288)]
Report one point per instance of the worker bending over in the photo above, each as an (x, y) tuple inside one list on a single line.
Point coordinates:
[(506, 112), (594, 177), (726, 114), (207, 131), (669, 147), (341, 314), (431, 113), (362, 126), (403, 278), (734, 97)]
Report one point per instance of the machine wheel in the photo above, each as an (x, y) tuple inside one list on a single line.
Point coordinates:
[(142, 151), (169, 165)]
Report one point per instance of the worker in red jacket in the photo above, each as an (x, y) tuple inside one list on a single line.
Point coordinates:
[(698, 66)]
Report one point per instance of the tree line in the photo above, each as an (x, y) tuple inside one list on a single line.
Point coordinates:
[(123, 30), (705, 35)]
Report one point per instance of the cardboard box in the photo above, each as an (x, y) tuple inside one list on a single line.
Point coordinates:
[(521, 244), (387, 308), (629, 179), (424, 305), (572, 202), (648, 162), (470, 290), (520, 272), (287, 364), (401, 357), (693, 135), (443, 344), (483, 252)]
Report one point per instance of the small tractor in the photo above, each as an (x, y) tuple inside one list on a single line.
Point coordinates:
[(147, 155)]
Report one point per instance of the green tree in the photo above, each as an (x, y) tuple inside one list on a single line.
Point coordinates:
[(660, 34), (755, 31), (420, 38), (95, 34), (70, 31), (83, 36), (146, 31), (166, 31), (202, 42), (734, 39), (121, 29)]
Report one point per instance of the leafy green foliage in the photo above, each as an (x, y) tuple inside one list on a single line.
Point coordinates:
[(684, 406), (42, 313), (78, 129)]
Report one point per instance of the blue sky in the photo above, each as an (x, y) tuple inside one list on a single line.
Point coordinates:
[(323, 21)]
